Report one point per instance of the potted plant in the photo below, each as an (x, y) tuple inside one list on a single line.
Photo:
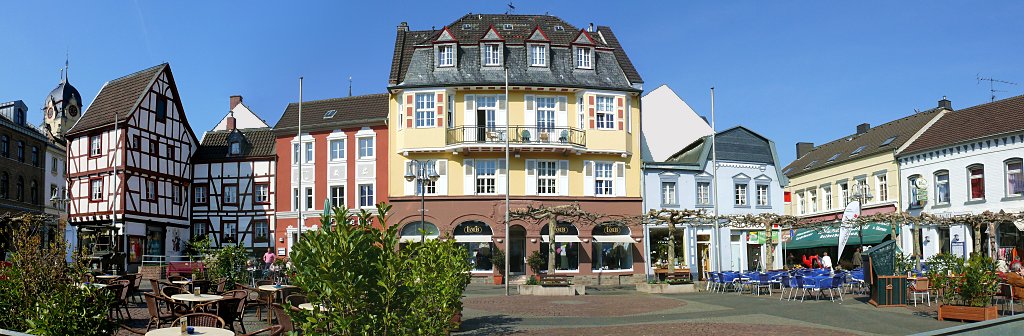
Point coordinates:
[(536, 263), (966, 288), (498, 260)]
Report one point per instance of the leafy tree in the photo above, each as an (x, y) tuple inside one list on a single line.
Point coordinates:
[(228, 262)]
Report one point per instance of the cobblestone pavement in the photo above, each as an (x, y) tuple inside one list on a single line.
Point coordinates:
[(623, 311)]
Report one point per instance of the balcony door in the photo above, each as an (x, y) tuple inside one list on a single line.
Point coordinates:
[(487, 119)]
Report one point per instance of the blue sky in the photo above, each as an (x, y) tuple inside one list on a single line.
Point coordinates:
[(791, 70)]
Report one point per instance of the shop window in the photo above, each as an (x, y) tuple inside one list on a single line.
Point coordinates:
[(567, 247), (155, 237), (612, 248), (474, 237)]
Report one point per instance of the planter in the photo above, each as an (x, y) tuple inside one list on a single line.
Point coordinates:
[(498, 279), (456, 321), (662, 288), (539, 290), (967, 313)]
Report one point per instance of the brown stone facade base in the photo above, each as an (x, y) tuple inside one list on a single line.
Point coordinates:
[(447, 212)]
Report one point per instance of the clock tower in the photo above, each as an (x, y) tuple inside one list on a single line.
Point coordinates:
[(62, 109)]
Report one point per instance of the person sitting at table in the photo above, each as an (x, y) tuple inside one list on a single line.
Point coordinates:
[(1016, 279)]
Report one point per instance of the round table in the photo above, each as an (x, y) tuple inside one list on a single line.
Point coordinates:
[(309, 306), (275, 289), (181, 282), (176, 331), (97, 285), (192, 298)]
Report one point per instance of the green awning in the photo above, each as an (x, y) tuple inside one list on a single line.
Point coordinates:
[(874, 233)]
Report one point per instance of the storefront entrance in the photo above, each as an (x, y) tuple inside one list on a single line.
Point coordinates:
[(517, 250)]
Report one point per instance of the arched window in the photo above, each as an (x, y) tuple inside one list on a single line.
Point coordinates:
[(942, 187), (19, 189), (976, 181), (414, 231), (915, 194), (475, 238), (1014, 177), (612, 247), (5, 185), (567, 246), (33, 192)]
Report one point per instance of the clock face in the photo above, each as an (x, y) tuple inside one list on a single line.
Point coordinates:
[(49, 113), (73, 110)]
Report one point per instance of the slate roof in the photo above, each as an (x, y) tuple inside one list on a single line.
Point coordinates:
[(975, 122), (256, 143), (903, 129), (119, 96), (413, 60), (736, 144), (352, 111)]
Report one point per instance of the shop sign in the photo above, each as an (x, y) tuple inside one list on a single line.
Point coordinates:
[(473, 228)]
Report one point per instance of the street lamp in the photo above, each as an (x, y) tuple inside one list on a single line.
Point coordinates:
[(861, 194), (421, 171)]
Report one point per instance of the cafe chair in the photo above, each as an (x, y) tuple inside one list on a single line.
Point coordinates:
[(259, 299), (918, 289), (1006, 296), (162, 310), (169, 291), (201, 320), (274, 330), (226, 309), (283, 319), (296, 299)]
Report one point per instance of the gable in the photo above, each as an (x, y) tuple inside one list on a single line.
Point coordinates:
[(583, 38), (742, 145), (538, 35), (492, 35), (445, 36), (763, 177), (741, 176), (174, 124)]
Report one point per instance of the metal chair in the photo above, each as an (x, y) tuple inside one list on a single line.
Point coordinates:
[(763, 282), (1006, 296), (786, 284), (201, 320)]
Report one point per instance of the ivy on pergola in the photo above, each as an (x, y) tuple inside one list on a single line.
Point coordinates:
[(572, 213)]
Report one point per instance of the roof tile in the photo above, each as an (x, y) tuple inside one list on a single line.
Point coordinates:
[(975, 122), (117, 97)]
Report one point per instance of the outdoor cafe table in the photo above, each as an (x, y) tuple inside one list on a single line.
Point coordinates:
[(176, 331), (192, 298), (276, 290), (107, 277), (309, 306), (97, 285)]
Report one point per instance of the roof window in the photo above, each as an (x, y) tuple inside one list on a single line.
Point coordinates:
[(330, 114), (857, 151), (784, 172), (559, 28), (811, 164), (507, 26), (833, 158), (466, 26), (887, 141)]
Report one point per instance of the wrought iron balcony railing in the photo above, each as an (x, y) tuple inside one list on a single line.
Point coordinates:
[(520, 135)]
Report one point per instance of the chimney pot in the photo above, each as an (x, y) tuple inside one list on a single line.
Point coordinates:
[(945, 103), (404, 26), (863, 128), (803, 148), (235, 100), (591, 29)]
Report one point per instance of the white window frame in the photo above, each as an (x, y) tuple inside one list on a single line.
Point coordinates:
[(486, 184), (604, 109), (261, 193), (547, 108), (826, 198), (96, 192), (199, 197), (95, 145), (492, 54), (938, 183), (584, 57), (882, 187), (547, 177), (230, 195), (309, 198), (538, 55), (296, 153), (704, 193), (669, 193), (363, 202), (366, 147), (844, 193), (446, 55), (150, 189), (235, 148), (1018, 171), (741, 194), (970, 186), (258, 233), (424, 112), (309, 152), (175, 193), (763, 199), (337, 148), (604, 178), (336, 199)]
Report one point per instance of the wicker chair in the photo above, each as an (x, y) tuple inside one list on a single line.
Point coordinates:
[(226, 309), (274, 330), (168, 291), (283, 319), (201, 320), (136, 283), (162, 310), (120, 289), (174, 278), (204, 285), (219, 285), (259, 299), (296, 299)]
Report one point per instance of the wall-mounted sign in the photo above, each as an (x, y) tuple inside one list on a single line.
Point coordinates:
[(473, 228)]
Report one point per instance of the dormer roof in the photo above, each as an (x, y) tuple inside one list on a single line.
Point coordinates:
[(492, 35), (583, 38), (538, 36), (446, 36)]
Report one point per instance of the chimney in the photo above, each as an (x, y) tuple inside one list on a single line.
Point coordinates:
[(591, 29), (945, 103), (863, 128), (231, 121), (403, 27), (803, 148), (235, 100)]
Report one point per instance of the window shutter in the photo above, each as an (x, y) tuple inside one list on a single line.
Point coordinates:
[(531, 177), (590, 112), (469, 182), (588, 178), (619, 106), (469, 118), (620, 179), (629, 117), (563, 177), (530, 116), (561, 113), (440, 109), (441, 167), (410, 187), (501, 113), (408, 110), (499, 178)]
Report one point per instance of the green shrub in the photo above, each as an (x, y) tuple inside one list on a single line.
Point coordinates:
[(74, 311), (532, 281), (370, 286), (970, 283), (228, 262), (536, 262)]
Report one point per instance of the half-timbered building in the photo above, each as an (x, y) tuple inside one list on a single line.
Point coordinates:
[(129, 170), (234, 185)]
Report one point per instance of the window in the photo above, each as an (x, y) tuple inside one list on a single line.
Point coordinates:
[(35, 156), (170, 152), (915, 195), (229, 233), (605, 112), (579, 112), (801, 204), (668, 193), (538, 55), (426, 187), (507, 26), (741, 194), (19, 189), (95, 188), (583, 58), (337, 149), (887, 141), (826, 198), (296, 153), (492, 54), (261, 193), (137, 142), (199, 230), (446, 56), (260, 231), (547, 179), (844, 193), (545, 114), (20, 151), (857, 151), (33, 192), (295, 199), (53, 191), (762, 195), (809, 165), (703, 193), (161, 108), (865, 188), (309, 198), (942, 187), (330, 114), (882, 185), (812, 200), (603, 178), (151, 190), (451, 111), (976, 176), (338, 196), (199, 194), (486, 173), (1014, 178), (175, 193), (153, 147), (365, 148), (833, 158), (309, 152), (53, 165), (155, 237), (366, 195), (425, 110), (5, 146), (235, 148)]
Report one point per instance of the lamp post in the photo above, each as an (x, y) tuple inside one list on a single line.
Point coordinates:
[(421, 171), (861, 194)]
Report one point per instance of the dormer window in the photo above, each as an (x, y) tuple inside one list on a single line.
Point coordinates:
[(492, 54), (584, 58), (507, 26), (446, 55), (538, 55), (466, 26), (235, 148), (559, 28)]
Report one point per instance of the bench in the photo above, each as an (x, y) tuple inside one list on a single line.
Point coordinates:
[(554, 281), (678, 277)]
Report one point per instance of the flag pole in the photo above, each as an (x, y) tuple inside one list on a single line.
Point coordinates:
[(507, 165), (298, 194), (714, 185)]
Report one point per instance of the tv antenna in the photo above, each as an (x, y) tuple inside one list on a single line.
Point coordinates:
[(991, 85)]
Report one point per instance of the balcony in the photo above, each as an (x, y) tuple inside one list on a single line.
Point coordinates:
[(522, 137)]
